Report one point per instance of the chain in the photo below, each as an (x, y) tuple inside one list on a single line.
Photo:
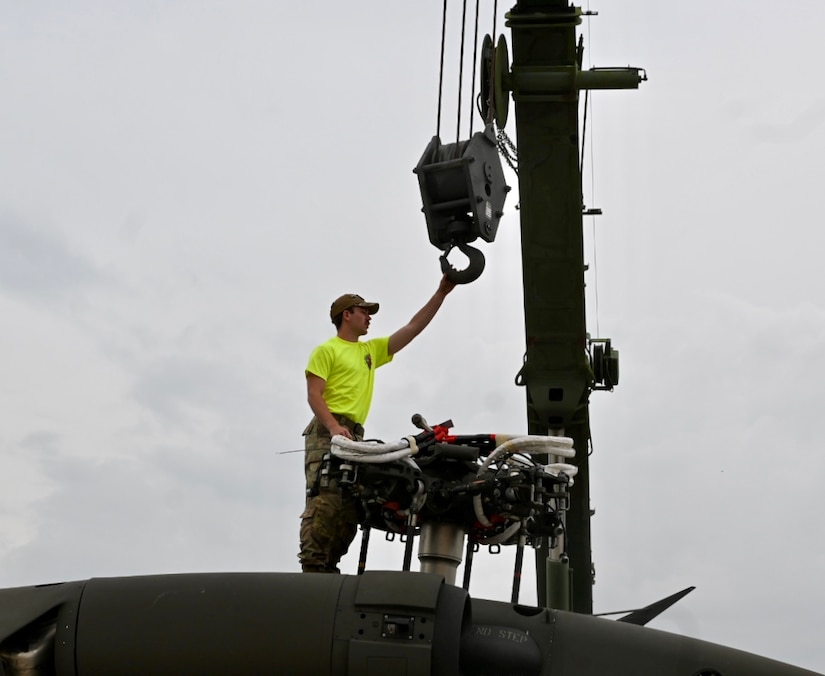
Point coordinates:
[(507, 149)]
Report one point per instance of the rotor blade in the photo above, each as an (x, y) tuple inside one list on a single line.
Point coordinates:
[(644, 615)]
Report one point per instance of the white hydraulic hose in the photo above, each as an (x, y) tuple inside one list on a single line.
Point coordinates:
[(556, 467), (502, 439), (505, 535), (534, 443), (478, 508), (562, 446), (371, 459), (369, 447), (371, 451), (419, 498)]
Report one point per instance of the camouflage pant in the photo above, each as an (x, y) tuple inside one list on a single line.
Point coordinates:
[(330, 519)]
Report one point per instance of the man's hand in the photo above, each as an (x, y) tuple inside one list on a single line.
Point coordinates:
[(337, 428), (445, 286)]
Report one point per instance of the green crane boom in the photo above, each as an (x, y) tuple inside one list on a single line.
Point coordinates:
[(560, 369)]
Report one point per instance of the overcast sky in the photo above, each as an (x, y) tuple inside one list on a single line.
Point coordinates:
[(186, 186)]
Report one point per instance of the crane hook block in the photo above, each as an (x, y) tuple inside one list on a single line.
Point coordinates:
[(473, 270), (463, 192)]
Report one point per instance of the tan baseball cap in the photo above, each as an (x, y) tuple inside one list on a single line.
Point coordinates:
[(349, 300)]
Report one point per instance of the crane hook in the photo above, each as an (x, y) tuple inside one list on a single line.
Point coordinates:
[(473, 270)]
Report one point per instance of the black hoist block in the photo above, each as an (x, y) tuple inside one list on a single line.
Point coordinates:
[(463, 191)]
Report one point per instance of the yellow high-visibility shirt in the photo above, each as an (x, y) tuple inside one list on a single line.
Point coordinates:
[(349, 371)]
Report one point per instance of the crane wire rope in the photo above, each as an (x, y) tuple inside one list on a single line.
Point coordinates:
[(472, 101), (588, 110), (588, 106), (475, 62), (460, 73), (505, 145), (441, 68)]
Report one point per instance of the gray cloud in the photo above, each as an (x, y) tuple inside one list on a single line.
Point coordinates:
[(36, 262)]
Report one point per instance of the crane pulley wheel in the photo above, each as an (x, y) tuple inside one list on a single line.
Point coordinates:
[(494, 96), (488, 54), (501, 82)]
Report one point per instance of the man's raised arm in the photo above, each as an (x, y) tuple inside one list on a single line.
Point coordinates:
[(401, 338)]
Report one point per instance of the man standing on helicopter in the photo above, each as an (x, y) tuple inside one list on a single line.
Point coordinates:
[(340, 377)]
